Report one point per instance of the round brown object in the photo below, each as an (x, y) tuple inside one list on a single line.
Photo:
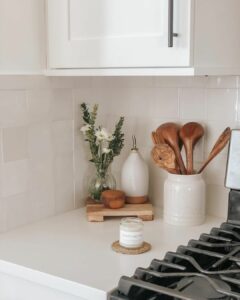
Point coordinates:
[(131, 251), (113, 199), (136, 200)]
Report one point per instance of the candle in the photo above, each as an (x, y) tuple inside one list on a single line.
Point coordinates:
[(131, 233)]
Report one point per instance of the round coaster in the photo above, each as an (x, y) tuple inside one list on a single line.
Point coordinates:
[(132, 251)]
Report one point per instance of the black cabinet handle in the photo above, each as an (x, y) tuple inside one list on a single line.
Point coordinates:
[(171, 34)]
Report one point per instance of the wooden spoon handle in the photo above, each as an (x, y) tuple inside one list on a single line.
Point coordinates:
[(154, 138), (223, 139), (180, 161), (189, 158), (217, 148)]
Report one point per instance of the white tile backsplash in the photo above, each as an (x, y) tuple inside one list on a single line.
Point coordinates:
[(44, 166), (40, 142), (13, 108), (221, 104), (166, 103), (64, 183), (39, 104), (14, 140), (62, 105), (14, 177), (63, 137), (225, 82), (19, 210), (192, 103)]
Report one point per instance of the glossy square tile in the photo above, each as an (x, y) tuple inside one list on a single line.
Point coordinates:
[(15, 143), (192, 104), (3, 224), (13, 108), (43, 205), (62, 107), (166, 103), (221, 104), (82, 174), (180, 81), (63, 137), (222, 82), (40, 143), (19, 210), (217, 200), (41, 172), (215, 171), (64, 183), (14, 177), (39, 104)]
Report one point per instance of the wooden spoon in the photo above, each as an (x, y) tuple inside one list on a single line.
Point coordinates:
[(164, 157), (155, 138), (190, 134), (168, 132), (218, 147)]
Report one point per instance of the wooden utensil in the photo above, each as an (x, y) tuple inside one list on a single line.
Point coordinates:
[(218, 147), (154, 138), (190, 134), (168, 132), (165, 158)]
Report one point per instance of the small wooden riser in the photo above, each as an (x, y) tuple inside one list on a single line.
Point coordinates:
[(97, 212)]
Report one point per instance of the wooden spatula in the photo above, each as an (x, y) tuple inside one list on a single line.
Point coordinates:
[(168, 132), (190, 134), (218, 147)]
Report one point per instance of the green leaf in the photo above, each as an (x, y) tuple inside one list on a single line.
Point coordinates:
[(101, 161), (117, 143)]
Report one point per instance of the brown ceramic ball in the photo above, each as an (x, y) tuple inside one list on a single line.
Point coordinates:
[(113, 199)]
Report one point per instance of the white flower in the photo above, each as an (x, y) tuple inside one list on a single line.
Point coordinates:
[(110, 138), (85, 128), (102, 134), (106, 150)]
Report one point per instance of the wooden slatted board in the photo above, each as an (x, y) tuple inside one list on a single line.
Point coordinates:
[(96, 212)]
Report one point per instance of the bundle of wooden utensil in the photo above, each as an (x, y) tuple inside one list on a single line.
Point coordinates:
[(168, 140)]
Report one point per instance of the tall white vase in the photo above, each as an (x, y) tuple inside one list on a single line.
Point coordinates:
[(135, 177)]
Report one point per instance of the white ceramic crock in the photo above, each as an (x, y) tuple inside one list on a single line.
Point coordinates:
[(184, 200)]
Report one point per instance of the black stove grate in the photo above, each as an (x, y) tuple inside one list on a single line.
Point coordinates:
[(205, 269)]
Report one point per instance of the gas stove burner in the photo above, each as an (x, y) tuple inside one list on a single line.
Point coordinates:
[(201, 288), (206, 269)]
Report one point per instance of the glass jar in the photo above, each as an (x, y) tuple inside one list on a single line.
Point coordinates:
[(131, 233), (101, 181)]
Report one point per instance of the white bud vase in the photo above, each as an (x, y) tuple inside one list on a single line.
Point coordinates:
[(135, 177)]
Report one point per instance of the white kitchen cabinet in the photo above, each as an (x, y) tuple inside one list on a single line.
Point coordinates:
[(113, 37), (22, 37), (116, 34)]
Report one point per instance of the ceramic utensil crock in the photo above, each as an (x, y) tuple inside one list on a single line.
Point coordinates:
[(184, 200)]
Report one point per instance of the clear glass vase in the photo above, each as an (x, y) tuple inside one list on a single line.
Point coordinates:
[(101, 181)]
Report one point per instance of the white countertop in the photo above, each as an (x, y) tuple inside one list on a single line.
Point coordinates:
[(66, 252)]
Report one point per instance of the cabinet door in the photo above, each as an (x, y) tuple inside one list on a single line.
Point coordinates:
[(118, 33)]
